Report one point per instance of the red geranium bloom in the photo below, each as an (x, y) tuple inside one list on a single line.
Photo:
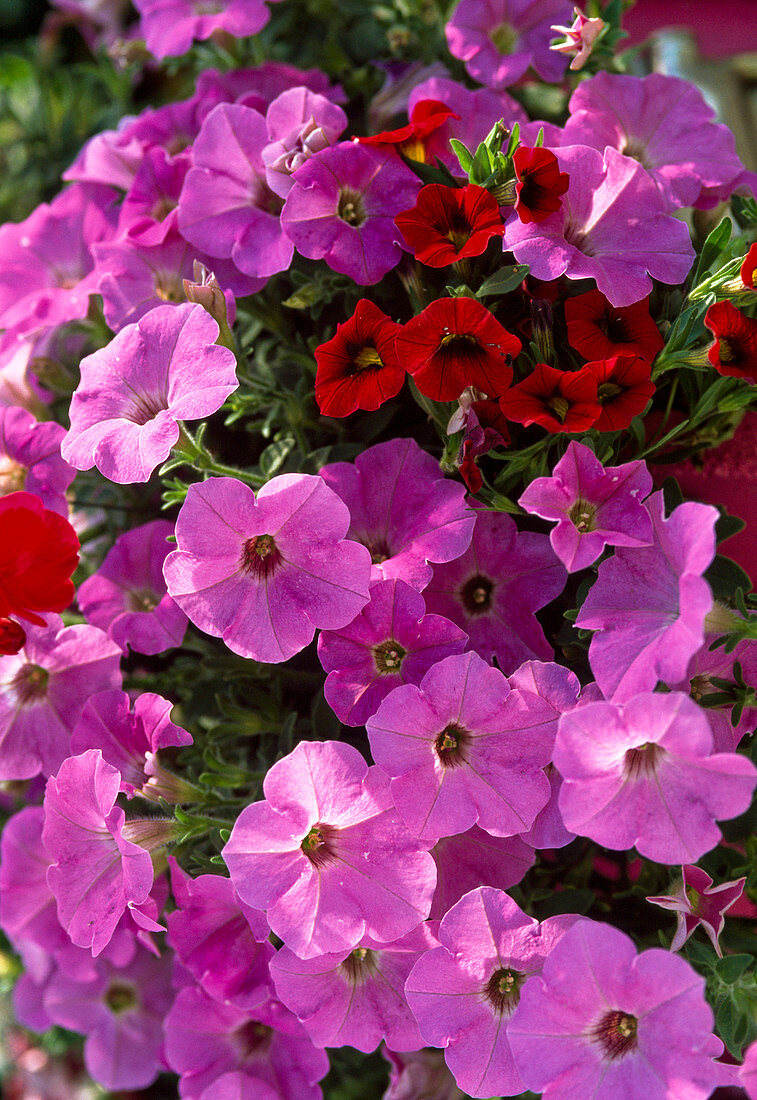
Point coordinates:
[(561, 401), (455, 343), (426, 116), (358, 368), (38, 554), (749, 267), (734, 351), (624, 388), (449, 223), (540, 184), (599, 330)]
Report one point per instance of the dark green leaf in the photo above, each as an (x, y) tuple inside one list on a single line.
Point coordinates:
[(730, 968), (503, 281), (712, 247)]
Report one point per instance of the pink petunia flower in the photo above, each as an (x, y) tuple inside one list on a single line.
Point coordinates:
[(594, 506), (464, 992), (326, 855), (165, 368), (602, 1021), (643, 774), (30, 458), (403, 509), (341, 209), (299, 123), (264, 572), (475, 858), (648, 604), (127, 596), (170, 26), (96, 871), (355, 997), (43, 689), (697, 901), (499, 39), (460, 753), (665, 124), (612, 227), (391, 642), (494, 588)]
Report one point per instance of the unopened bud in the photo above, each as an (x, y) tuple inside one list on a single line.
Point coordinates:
[(541, 322)]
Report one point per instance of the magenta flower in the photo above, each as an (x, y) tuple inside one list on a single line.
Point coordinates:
[(403, 509), (226, 207), (499, 39), (326, 855), (464, 992), (47, 261), (391, 642), (127, 596), (594, 506), (644, 775), (170, 26), (357, 997), (95, 871), (459, 752), (604, 1022), (43, 689), (420, 1073), (612, 227), (129, 739), (222, 942), (341, 209), (493, 589), (476, 858), (263, 573), (165, 368), (748, 1072), (121, 1011), (697, 901), (225, 1053), (648, 604), (30, 458), (665, 124), (299, 123)]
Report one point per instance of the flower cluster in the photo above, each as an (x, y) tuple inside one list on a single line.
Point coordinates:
[(364, 684)]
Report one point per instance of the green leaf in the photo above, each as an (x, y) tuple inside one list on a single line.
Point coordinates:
[(431, 173), (727, 525), (482, 165), (725, 576), (503, 281), (730, 968), (712, 247), (275, 455), (463, 154)]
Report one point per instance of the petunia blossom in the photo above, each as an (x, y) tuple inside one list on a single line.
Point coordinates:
[(299, 123), (448, 224), (127, 597), (458, 752), (263, 572), (166, 367), (603, 1021), (540, 184), (355, 997), (402, 509), (643, 774), (391, 642), (697, 901), (464, 992), (612, 227), (327, 856), (30, 458), (599, 330), (39, 551), (341, 209), (558, 400), (170, 26), (734, 349), (499, 39), (624, 389), (494, 588), (476, 858), (594, 506), (358, 367), (648, 604)]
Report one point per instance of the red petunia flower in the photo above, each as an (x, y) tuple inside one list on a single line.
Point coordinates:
[(749, 268), (427, 116), (12, 637), (540, 184), (455, 343), (358, 368), (624, 388), (558, 400), (38, 554), (734, 351), (484, 428), (599, 330), (448, 223)]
